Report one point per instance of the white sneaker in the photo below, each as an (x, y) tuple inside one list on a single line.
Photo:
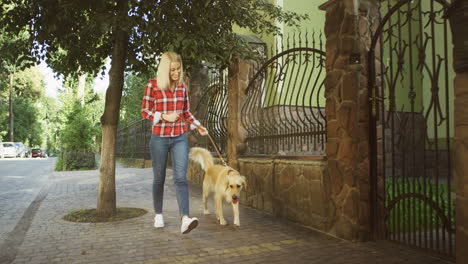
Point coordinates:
[(158, 221), (188, 224)]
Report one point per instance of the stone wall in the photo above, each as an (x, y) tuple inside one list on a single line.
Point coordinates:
[(297, 190), (458, 15)]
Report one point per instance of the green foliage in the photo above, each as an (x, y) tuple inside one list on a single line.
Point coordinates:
[(28, 87), (79, 130), (77, 140), (29, 83), (51, 118), (76, 135), (27, 127), (77, 36), (15, 52), (130, 108)]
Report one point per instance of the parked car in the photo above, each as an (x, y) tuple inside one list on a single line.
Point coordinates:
[(9, 149), (27, 152), (1, 150), (37, 153), (20, 150)]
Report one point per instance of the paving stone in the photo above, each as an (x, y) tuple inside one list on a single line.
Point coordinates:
[(261, 238)]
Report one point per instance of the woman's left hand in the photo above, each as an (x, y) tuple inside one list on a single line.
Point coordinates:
[(202, 130)]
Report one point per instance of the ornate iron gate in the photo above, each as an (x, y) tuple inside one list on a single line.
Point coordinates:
[(410, 87)]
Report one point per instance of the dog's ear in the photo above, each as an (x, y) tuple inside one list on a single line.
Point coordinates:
[(244, 182), (226, 182), (227, 186)]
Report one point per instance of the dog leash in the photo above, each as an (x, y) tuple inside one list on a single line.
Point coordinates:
[(212, 142)]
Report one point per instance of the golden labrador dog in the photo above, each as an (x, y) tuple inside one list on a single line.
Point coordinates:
[(225, 182)]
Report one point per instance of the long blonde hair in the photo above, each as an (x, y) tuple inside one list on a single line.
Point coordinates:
[(162, 78)]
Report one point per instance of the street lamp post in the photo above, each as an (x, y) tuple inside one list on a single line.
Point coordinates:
[(12, 78)]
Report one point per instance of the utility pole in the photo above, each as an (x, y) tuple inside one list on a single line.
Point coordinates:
[(11, 108)]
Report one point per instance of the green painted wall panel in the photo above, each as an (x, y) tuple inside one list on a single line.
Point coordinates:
[(408, 40)]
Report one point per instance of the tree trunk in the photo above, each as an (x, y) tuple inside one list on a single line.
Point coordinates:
[(106, 204), (12, 118)]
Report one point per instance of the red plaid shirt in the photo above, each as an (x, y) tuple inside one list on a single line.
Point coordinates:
[(165, 102)]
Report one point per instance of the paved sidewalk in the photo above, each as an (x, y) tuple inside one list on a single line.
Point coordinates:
[(42, 236)]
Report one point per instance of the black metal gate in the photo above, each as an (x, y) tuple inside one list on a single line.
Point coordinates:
[(411, 127)]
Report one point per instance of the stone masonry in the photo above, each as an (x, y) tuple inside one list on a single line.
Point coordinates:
[(296, 190), (461, 166), (347, 30), (238, 74)]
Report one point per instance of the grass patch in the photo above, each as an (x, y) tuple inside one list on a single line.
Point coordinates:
[(413, 214), (91, 216)]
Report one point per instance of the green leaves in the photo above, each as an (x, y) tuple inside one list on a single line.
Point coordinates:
[(198, 30), (79, 131), (28, 87)]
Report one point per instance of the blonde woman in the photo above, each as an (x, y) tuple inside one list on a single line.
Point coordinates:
[(165, 102)]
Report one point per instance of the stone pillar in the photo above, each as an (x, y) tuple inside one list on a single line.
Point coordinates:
[(460, 166), (238, 80), (347, 31), (458, 16)]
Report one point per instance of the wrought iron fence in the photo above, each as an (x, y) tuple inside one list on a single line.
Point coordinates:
[(284, 113), (133, 139), (212, 110)]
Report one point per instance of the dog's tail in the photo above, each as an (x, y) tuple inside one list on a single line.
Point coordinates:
[(202, 157)]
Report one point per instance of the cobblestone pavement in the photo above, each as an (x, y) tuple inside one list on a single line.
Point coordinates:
[(261, 238), (20, 182)]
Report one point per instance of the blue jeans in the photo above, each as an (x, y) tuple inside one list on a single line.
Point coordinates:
[(178, 147)]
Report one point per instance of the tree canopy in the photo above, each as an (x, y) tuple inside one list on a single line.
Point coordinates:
[(78, 35)]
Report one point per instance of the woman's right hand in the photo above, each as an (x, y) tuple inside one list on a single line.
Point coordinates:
[(172, 117)]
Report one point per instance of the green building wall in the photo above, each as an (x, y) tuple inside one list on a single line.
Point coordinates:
[(442, 46), (412, 34), (315, 23)]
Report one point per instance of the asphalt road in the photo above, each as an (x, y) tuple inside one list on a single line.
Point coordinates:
[(21, 180)]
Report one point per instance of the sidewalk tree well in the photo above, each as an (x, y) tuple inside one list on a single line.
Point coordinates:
[(72, 35)]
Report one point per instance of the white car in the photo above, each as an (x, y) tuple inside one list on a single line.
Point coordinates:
[(9, 149), (20, 151)]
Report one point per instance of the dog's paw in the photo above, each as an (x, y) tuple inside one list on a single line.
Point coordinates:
[(222, 222), (207, 212), (237, 222)]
